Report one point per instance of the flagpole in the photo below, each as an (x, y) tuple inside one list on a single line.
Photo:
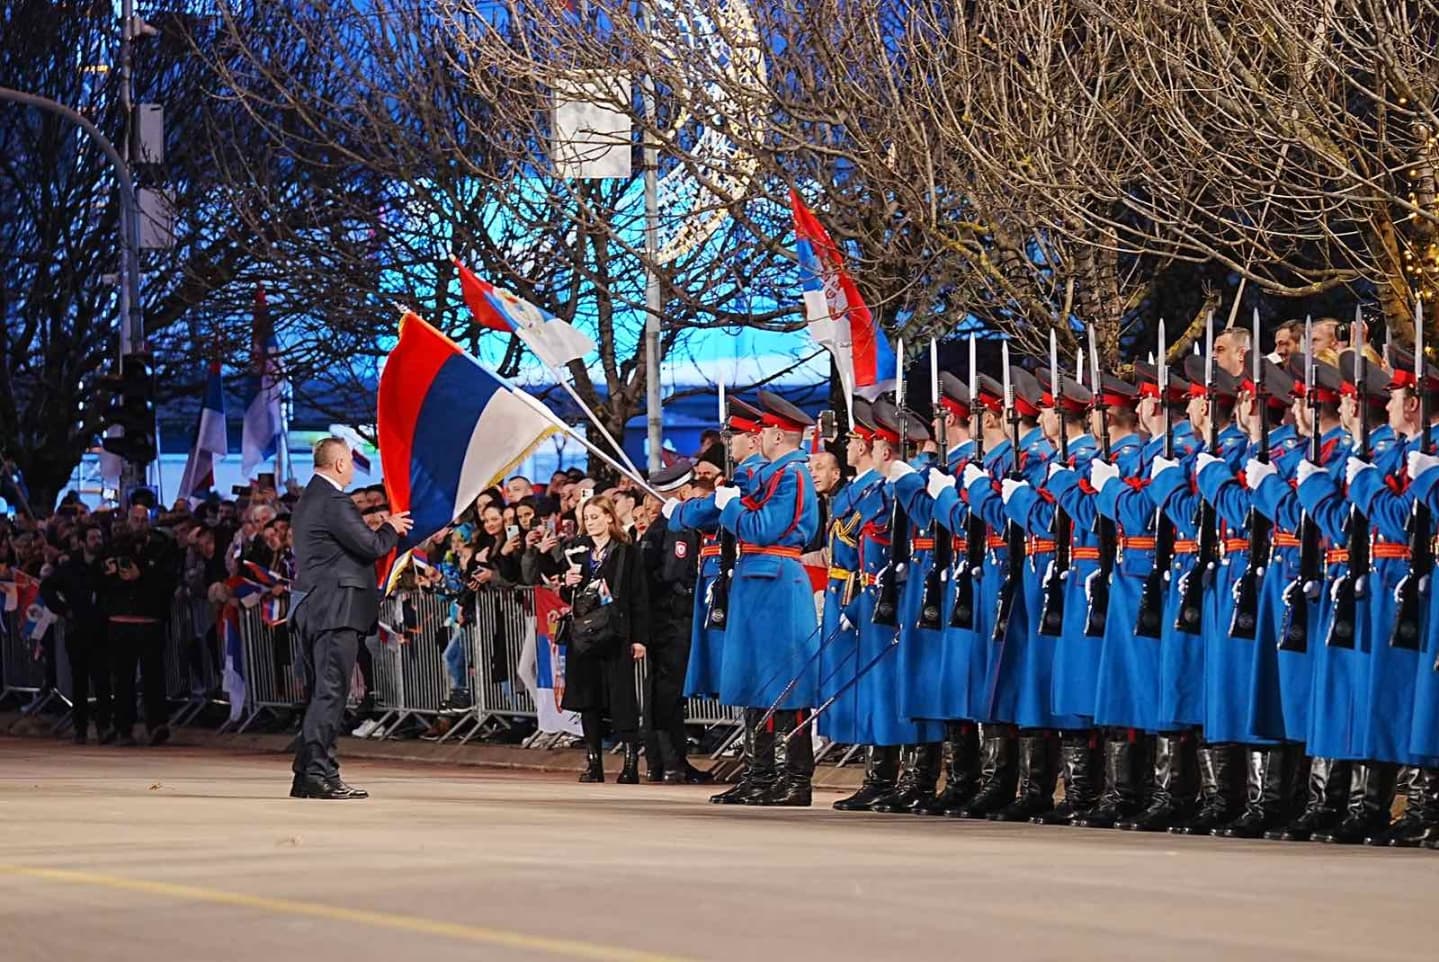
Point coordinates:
[(593, 448), (594, 418), (654, 417)]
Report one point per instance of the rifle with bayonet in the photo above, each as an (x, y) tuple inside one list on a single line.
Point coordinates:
[(1156, 584), (1245, 623), (1304, 589), (1190, 618), (1414, 586), (1097, 585), (717, 598), (1014, 534), (1051, 618), (976, 532), (931, 603), (887, 582)]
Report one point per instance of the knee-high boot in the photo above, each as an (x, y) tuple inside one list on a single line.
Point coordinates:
[(1420, 821), (961, 773), (1176, 785), (999, 773), (591, 726), (1038, 772), (1269, 794), (1221, 789), (1125, 770), (1081, 765), (881, 768), (914, 793), (1327, 792), (758, 761), (1371, 798)]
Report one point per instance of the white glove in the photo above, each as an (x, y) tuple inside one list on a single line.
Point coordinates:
[(1203, 460), (1008, 486), (724, 494), (1255, 471), (668, 508), (1101, 472), (938, 483), (1054, 468), (1353, 466), (1419, 463), (1306, 470), (899, 469), (845, 624), (1160, 465), (973, 473)]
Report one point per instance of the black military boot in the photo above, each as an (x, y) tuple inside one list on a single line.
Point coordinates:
[(1176, 787), (1124, 770), (1269, 793), (1038, 772), (1327, 790), (758, 773), (1420, 821), (999, 774), (1221, 790), (914, 793), (794, 751), (594, 748), (1371, 798), (1080, 764), (881, 768), (594, 767), (961, 775)]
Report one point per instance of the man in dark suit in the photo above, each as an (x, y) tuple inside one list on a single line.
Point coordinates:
[(337, 603)]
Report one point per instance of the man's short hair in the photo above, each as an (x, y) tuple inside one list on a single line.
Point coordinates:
[(1240, 335), (328, 451)]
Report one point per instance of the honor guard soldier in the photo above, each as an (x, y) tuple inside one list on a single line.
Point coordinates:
[(974, 647), (1174, 787), (772, 642), (671, 557), (935, 673), (1020, 675), (1126, 696), (1076, 657), (891, 536), (840, 657)]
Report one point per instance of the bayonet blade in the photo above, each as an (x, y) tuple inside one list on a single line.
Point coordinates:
[(973, 372), (1162, 368), (1008, 387), (1054, 367)]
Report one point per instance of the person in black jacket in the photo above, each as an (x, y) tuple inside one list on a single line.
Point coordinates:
[(73, 592), (337, 602), (606, 570), (672, 563), (138, 576)]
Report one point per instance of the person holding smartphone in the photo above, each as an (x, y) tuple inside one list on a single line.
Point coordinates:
[(602, 569)]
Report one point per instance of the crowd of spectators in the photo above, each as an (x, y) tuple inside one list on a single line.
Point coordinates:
[(116, 578)]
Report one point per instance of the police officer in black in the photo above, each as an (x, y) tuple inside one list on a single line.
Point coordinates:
[(671, 560)]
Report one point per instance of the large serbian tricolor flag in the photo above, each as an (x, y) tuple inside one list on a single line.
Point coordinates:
[(448, 428), (838, 319)]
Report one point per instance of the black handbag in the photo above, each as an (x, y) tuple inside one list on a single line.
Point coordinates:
[(595, 626)]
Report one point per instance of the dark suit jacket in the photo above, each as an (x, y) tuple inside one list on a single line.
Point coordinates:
[(335, 555)]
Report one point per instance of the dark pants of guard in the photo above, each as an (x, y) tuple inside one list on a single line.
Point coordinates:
[(89, 675), (668, 654), (140, 646), (329, 660)]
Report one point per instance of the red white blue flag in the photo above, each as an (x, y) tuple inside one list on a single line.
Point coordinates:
[(448, 427), (839, 321), (211, 440)]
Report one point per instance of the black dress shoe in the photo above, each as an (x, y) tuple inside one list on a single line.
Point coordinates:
[(658, 775), (312, 786), (785, 793)]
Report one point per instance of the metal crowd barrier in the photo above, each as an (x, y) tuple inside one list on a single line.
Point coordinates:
[(504, 619), (272, 684), (410, 679), (36, 673), (194, 660)]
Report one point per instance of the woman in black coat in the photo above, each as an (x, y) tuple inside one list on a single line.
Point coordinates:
[(606, 570)]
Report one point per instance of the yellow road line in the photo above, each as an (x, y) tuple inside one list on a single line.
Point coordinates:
[(383, 920)]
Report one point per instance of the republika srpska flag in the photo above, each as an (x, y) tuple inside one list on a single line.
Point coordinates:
[(211, 441), (448, 428), (553, 341), (839, 321)]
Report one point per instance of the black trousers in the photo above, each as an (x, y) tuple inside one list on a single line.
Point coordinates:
[(143, 646), (668, 656), (89, 675), (329, 661)]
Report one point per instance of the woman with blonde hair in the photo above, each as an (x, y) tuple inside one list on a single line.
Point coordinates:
[(604, 582)]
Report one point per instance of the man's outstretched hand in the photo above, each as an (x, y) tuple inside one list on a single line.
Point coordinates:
[(401, 522)]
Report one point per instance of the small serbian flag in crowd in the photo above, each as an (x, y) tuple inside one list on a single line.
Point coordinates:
[(262, 576), (233, 680), (838, 319), (449, 427), (553, 341), (549, 687)]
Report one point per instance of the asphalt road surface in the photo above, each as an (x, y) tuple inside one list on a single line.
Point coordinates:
[(130, 855)]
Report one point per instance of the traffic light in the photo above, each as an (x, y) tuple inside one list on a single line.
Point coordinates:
[(131, 408)]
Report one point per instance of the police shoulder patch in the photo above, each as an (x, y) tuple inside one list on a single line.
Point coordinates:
[(682, 549)]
